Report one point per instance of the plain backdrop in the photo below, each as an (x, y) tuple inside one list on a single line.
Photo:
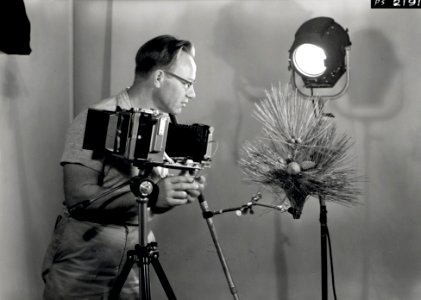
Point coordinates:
[(83, 51)]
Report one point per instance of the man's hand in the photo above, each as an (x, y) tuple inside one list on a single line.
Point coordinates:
[(178, 190), (193, 194)]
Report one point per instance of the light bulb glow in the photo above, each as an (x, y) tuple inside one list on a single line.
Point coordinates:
[(309, 60)]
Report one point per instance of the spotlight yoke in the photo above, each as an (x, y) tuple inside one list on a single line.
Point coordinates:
[(327, 37)]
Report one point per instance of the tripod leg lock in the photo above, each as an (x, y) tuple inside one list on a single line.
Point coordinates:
[(144, 253), (153, 251)]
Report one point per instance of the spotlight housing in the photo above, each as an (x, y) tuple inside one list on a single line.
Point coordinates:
[(319, 52)]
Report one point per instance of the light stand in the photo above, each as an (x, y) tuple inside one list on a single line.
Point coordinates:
[(144, 253), (323, 243), (320, 55)]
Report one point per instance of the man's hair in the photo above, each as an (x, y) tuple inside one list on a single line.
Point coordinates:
[(160, 52)]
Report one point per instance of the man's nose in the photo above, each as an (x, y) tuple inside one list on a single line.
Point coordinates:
[(191, 94)]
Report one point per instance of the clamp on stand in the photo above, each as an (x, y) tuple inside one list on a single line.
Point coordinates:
[(144, 253), (207, 215)]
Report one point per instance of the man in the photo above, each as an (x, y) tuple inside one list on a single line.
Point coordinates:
[(90, 242)]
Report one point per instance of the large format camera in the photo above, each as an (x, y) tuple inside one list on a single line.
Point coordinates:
[(143, 136)]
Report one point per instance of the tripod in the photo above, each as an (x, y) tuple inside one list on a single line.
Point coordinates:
[(144, 253)]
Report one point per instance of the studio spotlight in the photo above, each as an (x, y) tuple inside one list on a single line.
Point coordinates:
[(319, 54)]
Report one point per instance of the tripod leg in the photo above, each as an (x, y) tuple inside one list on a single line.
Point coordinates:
[(163, 279), (144, 287), (118, 284)]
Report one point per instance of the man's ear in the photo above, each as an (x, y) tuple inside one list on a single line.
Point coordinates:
[(158, 78)]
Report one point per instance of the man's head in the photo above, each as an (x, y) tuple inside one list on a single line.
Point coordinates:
[(168, 64)]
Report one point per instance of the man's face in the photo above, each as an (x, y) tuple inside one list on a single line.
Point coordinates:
[(177, 88)]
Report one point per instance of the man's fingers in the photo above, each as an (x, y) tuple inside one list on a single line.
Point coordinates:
[(181, 179), (185, 186), (191, 199), (180, 190), (179, 195), (175, 202), (193, 193)]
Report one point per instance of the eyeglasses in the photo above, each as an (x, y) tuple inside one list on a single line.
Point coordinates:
[(187, 83)]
